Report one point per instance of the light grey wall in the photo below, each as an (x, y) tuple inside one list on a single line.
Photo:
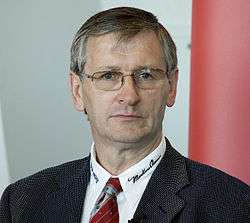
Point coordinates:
[(41, 126), (4, 174)]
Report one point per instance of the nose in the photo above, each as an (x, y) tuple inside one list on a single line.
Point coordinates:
[(128, 93)]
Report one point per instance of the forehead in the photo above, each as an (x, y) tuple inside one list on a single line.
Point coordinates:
[(144, 49)]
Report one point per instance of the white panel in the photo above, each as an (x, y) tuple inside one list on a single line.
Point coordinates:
[(4, 176)]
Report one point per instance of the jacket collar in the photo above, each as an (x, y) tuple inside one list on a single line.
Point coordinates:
[(160, 202)]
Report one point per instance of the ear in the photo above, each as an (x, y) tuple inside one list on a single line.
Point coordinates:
[(76, 91), (173, 79)]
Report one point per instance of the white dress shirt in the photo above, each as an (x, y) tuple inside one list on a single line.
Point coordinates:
[(133, 181)]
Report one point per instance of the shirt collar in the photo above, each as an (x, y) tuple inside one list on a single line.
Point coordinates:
[(99, 176), (134, 175)]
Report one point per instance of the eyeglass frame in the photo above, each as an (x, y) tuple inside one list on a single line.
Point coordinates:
[(85, 75)]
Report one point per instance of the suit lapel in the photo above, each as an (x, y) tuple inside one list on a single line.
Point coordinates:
[(65, 203), (160, 202)]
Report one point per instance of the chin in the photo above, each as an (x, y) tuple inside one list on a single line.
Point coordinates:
[(129, 136)]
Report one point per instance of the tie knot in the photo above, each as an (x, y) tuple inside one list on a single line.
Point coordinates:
[(113, 186)]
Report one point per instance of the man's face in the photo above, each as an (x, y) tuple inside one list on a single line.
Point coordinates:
[(130, 114)]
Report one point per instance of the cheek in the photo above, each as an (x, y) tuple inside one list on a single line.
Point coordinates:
[(156, 107), (158, 101), (91, 98), (98, 107)]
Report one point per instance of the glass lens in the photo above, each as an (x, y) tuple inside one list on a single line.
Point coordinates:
[(149, 79), (107, 80)]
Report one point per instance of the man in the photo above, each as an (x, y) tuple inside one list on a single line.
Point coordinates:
[(123, 75)]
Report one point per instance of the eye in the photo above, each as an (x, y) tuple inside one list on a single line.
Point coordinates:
[(145, 76), (109, 75)]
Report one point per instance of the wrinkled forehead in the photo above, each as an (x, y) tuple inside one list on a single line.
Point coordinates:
[(118, 43), (143, 43)]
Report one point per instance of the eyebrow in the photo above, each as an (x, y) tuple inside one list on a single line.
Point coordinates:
[(108, 68), (152, 68), (135, 69)]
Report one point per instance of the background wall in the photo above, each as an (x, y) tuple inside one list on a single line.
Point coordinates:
[(40, 125), (4, 175)]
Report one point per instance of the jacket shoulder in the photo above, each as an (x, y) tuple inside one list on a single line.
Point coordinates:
[(53, 174), (205, 175), (215, 194), (41, 184)]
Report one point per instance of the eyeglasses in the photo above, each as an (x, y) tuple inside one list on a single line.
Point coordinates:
[(114, 80)]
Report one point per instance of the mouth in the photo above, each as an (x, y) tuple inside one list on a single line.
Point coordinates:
[(126, 117)]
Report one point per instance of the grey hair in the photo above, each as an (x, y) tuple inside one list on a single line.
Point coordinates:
[(126, 22)]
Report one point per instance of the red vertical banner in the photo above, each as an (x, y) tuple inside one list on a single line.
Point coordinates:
[(219, 133)]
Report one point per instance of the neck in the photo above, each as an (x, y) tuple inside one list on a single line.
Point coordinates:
[(117, 157)]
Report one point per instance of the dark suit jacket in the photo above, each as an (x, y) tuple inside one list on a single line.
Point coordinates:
[(180, 190)]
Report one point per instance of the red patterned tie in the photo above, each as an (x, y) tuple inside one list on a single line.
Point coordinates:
[(106, 208)]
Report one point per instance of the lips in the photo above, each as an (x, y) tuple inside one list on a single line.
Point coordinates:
[(126, 116)]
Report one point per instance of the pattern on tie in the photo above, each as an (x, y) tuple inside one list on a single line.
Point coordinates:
[(106, 208)]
